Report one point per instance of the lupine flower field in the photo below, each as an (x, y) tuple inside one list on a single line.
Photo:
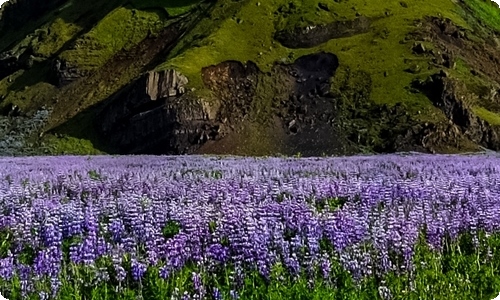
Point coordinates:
[(145, 227)]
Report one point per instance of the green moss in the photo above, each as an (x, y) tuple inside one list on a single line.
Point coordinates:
[(483, 105), (488, 116), (53, 38), (69, 145), (28, 89), (297, 13), (30, 98), (487, 11), (120, 30), (474, 84)]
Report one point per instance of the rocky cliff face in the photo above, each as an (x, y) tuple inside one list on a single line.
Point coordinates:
[(312, 77), (153, 115), (451, 97)]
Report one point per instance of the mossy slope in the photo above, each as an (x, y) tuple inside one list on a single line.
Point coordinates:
[(91, 34)]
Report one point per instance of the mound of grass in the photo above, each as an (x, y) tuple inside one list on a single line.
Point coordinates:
[(70, 145), (53, 38), (120, 30)]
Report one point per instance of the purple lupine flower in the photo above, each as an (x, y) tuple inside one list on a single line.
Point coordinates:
[(120, 273), (326, 267), (164, 272), (116, 229), (7, 267), (216, 294), (197, 284), (218, 252), (293, 265), (48, 262), (138, 269)]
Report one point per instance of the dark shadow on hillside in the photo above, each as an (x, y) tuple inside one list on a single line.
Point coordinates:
[(84, 126)]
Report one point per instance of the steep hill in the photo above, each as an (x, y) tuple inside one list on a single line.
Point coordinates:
[(249, 77)]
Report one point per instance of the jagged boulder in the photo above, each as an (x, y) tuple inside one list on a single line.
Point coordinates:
[(164, 84), (66, 72), (153, 115)]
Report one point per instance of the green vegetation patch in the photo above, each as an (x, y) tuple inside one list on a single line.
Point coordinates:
[(122, 29), (53, 38), (488, 116), (487, 11), (247, 35), (69, 145), (30, 97)]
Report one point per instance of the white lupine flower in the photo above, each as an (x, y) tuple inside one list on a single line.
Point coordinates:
[(2, 297), (497, 297)]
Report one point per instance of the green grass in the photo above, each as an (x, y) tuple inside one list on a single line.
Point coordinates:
[(120, 30), (491, 117), (458, 271), (55, 37), (239, 36), (487, 11), (480, 87), (65, 144)]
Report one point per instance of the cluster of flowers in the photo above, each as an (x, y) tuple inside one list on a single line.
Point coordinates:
[(144, 212)]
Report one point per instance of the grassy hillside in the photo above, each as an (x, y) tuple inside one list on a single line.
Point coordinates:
[(93, 36)]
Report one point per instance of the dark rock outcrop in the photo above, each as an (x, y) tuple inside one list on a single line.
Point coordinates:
[(293, 101), (448, 95), (234, 84), (154, 115), (312, 36), (164, 84), (66, 73), (146, 117)]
